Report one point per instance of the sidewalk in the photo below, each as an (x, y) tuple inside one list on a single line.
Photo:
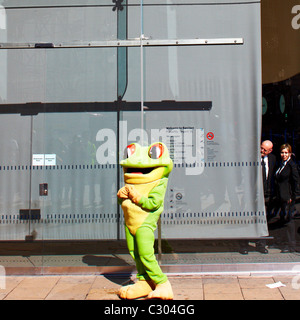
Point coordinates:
[(185, 287)]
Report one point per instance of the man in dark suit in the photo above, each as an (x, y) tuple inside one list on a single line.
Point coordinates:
[(268, 163), (268, 169)]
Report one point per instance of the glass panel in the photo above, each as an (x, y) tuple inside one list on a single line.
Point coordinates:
[(210, 192), (73, 179), (220, 74), (186, 2), (15, 161), (59, 23), (81, 75), (54, 3), (80, 201)]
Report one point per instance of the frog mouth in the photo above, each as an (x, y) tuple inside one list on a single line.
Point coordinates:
[(143, 175), (139, 170)]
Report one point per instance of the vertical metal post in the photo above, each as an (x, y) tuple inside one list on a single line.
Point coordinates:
[(121, 86), (142, 74), (159, 249), (118, 167), (30, 176)]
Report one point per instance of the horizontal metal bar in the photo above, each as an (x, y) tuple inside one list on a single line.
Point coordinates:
[(34, 108), (123, 43)]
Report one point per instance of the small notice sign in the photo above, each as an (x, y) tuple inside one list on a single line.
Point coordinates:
[(44, 159), (50, 159), (38, 159)]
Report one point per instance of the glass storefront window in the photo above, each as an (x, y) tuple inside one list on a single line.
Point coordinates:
[(82, 80)]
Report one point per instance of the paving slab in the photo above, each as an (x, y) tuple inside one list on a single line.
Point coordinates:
[(71, 288), (227, 288), (254, 282), (262, 294), (32, 288), (291, 291), (10, 284), (223, 296), (105, 289), (188, 294)]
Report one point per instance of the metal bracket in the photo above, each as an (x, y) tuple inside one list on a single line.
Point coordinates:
[(136, 42), (118, 5)]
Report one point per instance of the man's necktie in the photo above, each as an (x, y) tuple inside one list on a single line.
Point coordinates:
[(263, 169)]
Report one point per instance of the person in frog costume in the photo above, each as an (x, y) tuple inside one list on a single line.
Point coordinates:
[(146, 171)]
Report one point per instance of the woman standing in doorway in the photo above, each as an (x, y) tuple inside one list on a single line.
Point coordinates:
[(287, 188)]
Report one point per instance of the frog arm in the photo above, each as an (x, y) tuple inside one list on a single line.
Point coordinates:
[(155, 197)]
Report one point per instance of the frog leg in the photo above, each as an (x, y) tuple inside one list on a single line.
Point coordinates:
[(149, 273), (145, 245), (144, 239), (144, 285)]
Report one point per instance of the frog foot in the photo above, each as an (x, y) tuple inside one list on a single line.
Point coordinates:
[(138, 290), (162, 291)]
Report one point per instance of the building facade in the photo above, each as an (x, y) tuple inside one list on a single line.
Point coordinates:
[(81, 80)]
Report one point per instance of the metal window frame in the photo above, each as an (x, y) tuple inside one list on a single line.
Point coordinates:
[(137, 42)]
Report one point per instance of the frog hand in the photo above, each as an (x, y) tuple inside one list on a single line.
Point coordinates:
[(123, 193), (133, 194)]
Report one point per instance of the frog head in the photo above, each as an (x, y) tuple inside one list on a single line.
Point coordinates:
[(146, 164)]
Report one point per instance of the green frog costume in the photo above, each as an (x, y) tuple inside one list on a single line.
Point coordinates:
[(146, 171)]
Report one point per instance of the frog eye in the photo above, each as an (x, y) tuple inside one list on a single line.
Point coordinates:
[(129, 151), (156, 151)]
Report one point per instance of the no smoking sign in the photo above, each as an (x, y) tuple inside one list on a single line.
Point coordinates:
[(210, 135)]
